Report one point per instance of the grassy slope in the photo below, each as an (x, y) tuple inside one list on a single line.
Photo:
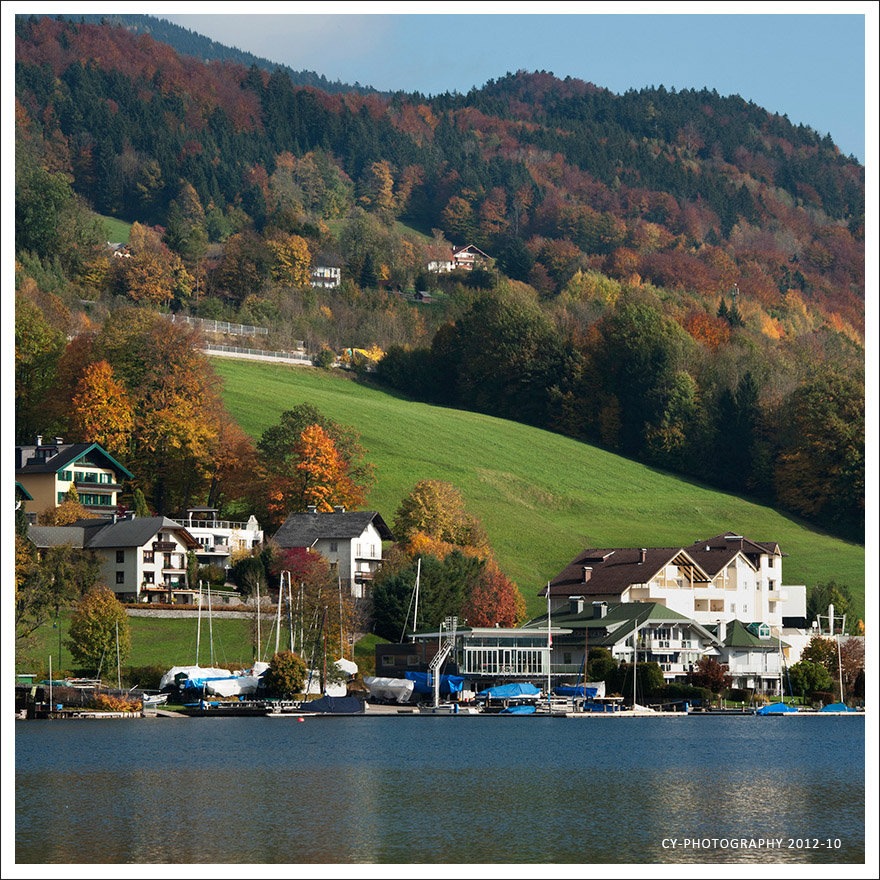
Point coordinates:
[(542, 497), (117, 230)]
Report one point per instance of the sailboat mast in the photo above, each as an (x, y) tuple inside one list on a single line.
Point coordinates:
[(341, 645), (259, 639), (278, 617), (199, 627), (635, 662), (290, 610), (211, 624), (549, 643), (418, 577)]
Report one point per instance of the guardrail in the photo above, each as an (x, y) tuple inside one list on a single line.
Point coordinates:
[(220, 326), (258, 354)]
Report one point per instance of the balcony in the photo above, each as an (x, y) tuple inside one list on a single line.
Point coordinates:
[(777, 595)]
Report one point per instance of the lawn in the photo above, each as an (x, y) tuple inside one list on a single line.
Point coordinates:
[(154, 641), (167, 642), (541, 497), (117, 230)]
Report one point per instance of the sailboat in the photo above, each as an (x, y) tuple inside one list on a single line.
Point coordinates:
[(636, 708)]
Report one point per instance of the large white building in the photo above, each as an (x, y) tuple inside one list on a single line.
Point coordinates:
[(725, 578)]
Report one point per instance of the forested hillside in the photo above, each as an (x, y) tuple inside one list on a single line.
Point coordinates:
[(677, 276)]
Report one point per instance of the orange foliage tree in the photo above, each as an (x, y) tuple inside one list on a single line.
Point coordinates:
[(101, 411), (319, 477), (495, 599)]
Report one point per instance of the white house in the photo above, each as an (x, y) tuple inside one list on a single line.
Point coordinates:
[(326, 272), (219, 539), (350, 541), (143, 559), (467, 258), (724, 578)]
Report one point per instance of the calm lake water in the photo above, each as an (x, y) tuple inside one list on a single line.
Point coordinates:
[(435, 790)]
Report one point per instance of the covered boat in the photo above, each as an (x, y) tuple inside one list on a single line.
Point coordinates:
[(423, 683), (591, 690), (179, 674), (837, 707), (776, 709), (516, 690), (398, 689)]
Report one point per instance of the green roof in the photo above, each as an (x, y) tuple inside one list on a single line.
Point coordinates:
[(740, 636), (621, 619)]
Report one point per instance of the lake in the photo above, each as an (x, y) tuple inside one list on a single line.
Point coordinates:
[(441, 790)]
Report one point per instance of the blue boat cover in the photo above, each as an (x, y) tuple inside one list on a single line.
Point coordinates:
[(518, 710), (775, 709), (837, 707), (335, 706), (423, 683), (506, 691), (579, 691)]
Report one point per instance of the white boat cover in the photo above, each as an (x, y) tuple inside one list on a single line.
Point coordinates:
[(399, 689), (331, 689), (347, 666), (191, 672)]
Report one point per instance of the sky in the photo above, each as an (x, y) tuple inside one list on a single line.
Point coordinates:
[(809, 67)]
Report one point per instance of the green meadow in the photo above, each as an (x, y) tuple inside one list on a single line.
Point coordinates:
[(117, 230), (541, 497)]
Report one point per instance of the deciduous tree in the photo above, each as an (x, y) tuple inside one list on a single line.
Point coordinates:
[(92, 636)]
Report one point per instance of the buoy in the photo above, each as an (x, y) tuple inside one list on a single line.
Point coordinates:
[(300, 719)]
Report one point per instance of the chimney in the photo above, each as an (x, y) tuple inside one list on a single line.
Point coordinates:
[(588, 573), (722, 630), (575, 604), (59, 441), (312, 508), (339, 508), (600, 609), (643, 555), (39, 439)]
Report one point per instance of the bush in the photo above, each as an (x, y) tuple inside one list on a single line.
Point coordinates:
[(679, 691), (737, 695), (286, 675), (324, 359)]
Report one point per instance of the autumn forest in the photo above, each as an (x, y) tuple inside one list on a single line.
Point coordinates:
[(674, 276)]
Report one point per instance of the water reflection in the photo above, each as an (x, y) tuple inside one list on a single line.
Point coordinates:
[(435, 790)]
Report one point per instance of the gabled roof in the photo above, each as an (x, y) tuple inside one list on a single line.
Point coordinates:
[(714, 553), (618, 624), (612, 571), (303, 529), (469, 248), (56, 536), (96, 534), (66, 455), (740, 636), (137, 531)]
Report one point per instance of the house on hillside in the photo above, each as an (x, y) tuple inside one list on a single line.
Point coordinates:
[(350, 540), (467, 258), (723, 578), (325, 272), (143, 559), (48, 470)]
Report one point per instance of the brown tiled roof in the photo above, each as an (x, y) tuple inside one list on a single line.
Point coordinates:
[(612, 570), (714, 553)]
